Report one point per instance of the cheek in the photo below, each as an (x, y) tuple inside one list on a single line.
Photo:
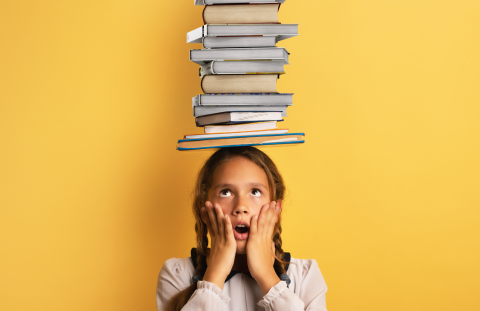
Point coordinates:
[(225, 203), (257, 204)]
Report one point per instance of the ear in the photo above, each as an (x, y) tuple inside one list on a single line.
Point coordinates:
[(279, 204), (201, 214)]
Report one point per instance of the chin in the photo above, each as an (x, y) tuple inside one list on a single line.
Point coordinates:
[(242, 247)]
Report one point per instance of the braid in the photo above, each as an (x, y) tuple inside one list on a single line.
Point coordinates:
[(202, 253), (279, 264)]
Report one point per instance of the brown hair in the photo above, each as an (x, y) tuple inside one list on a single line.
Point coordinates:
[(200, 195)]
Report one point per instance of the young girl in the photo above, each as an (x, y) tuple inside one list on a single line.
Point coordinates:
[(238, 201)]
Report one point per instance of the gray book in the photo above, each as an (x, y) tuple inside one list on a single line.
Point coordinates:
[(204, 56), (281, 31), (206, 2), (235, 99), (239, 42), (199, 111), (241, 67)]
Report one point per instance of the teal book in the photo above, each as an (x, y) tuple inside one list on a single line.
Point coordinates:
[(235, 141)]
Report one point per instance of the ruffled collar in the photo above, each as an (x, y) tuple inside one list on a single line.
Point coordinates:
[(194, 255)]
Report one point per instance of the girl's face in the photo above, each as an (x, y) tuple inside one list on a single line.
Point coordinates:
[(240, 187)]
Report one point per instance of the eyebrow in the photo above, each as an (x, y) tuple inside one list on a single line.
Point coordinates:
[(253, 184)]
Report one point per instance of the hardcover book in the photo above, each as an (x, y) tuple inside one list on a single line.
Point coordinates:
[(204, 56), (281, 31), (239, 99)]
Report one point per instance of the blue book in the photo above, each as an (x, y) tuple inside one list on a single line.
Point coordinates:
[(235, 141)]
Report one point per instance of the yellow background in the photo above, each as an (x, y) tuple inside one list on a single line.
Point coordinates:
[(384, 194)]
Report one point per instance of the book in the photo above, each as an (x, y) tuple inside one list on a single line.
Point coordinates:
[(281, 31), (242, 67), (239, 99), (205, 56), (245, 127), (257, 13), (206, 2), (239, 84), (255, 140), (239, 42), (266, 132), (239, 68), (237, 117), (200, 111)]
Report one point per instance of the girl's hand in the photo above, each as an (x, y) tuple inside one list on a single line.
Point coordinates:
[(260, 247), (222, 252)]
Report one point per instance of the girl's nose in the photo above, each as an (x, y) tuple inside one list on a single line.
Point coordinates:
[(241, 207)]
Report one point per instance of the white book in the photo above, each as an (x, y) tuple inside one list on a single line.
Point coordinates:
[(270, 132), (207, 2), (238, 117), (200, 111), (256, 126), (281, 31)]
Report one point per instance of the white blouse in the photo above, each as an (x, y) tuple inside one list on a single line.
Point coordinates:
[(242, 293)]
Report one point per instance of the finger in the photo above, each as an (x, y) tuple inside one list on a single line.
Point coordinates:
[(213, 220), (261, 219), (270, 214), (228, 229), (253, 226), (206, 218), (273, 221), (280, 208), (220, 222)]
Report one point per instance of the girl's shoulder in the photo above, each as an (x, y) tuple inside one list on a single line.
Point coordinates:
[(302, 269), (177, 270), (183, 264)]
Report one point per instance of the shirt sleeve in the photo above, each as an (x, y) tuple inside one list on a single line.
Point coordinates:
[(175, 276), (309, 293)]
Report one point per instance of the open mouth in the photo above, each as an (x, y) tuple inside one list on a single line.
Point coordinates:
[(241, 228)]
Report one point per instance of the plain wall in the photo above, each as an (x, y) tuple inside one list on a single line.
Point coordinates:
[(384, 194)]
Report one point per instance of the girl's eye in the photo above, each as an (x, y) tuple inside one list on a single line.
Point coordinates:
[(225, 193), (256, 192)]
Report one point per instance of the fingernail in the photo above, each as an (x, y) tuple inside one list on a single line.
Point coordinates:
[(276, 208), (208, 204), (274, 203)]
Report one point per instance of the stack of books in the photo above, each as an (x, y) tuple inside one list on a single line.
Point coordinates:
[(239, 68)]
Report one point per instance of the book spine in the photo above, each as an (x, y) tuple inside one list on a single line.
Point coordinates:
[(245, 136), (242, 145)]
